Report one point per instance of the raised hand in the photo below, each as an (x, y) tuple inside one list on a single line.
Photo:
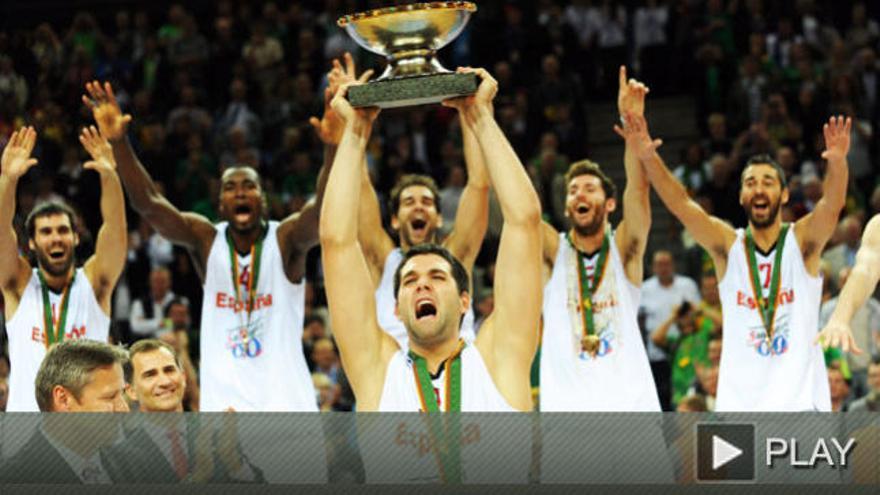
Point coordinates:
[(630, 95), (329, 127), (349, 114), (635, 132), (99, 149), (837, 335), (105, 109), (836, 133), (16, 160), (484, 96)]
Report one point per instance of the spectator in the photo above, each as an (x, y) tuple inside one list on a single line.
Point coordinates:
[(865, 327), (839, 390), (148, 313), (12, 85), (325, 359), (843, 255), (871, 400), (660, 295), (82, 376), (155, 377), (238, 114), (75, 376), (687, 343), (692, 403), (325, 390)]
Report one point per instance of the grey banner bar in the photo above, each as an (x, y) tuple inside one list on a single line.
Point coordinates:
[(442, 450)]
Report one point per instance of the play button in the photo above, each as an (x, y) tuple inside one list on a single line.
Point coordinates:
[(723, 452)]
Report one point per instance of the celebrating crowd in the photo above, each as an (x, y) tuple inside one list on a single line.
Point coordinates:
[(509, 287)]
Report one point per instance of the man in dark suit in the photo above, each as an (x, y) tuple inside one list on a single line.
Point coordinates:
[(167, 448), (75, 376)]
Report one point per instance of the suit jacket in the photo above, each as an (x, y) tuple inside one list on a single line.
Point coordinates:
[(863, 405), (38, 461), (139, 460)]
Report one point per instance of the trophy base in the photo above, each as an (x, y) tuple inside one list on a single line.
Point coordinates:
[(411, 91)]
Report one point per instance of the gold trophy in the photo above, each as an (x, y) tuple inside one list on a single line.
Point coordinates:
[(409, 37)]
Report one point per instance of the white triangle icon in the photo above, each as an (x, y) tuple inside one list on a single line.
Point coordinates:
[(723, 452)]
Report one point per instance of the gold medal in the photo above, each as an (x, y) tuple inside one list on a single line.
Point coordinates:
[(588, 304), (590, 344)]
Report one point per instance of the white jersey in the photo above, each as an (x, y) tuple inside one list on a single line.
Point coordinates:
[(256, 364), (788, 374), (386, 303), (619, 377), (478, 391), (27, 333)]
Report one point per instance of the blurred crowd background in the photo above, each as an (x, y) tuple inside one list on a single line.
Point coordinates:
[(216, 83)]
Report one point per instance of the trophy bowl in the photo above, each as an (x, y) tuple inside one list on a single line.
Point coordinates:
[(409, 37)]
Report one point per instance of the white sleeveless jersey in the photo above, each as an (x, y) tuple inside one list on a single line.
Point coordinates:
[(255, 365), (385, 304), (619, 377), (478, 391), (788, 374), (27, 335)]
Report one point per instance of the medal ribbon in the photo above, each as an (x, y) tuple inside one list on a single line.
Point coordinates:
[(54, 328), (766, 306), (449, 453), (452, 369), (256, 252), (588, 286)]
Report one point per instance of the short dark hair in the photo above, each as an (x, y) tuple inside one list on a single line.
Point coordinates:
[(589, 167), (45, 209), (142, 346), (694, 403), (312, 318), (459, 273), (410, 180), (765, 159), (177, 301), (70, 364)]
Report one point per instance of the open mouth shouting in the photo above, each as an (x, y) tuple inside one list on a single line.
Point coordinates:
[(761, 206), (581, 210), (419, 227), (425, 309), (243, 213)]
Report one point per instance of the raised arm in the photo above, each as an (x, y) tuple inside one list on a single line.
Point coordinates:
[(858, 288), (815, 228), (16, 161), (363, 346), (189, 230), (508, 339), (472, 216), (299, 232), (632, 233), (660, 336), (105, 266), (710, 232), (374, 240)]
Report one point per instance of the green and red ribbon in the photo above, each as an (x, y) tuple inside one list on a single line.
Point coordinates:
[(54, 328), (766, 306)]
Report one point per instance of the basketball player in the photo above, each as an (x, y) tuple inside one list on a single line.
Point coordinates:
[(769, 278), (56, 300), (253, 273), (858, 287), (415, 216), (442, 372), (592, 355)]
